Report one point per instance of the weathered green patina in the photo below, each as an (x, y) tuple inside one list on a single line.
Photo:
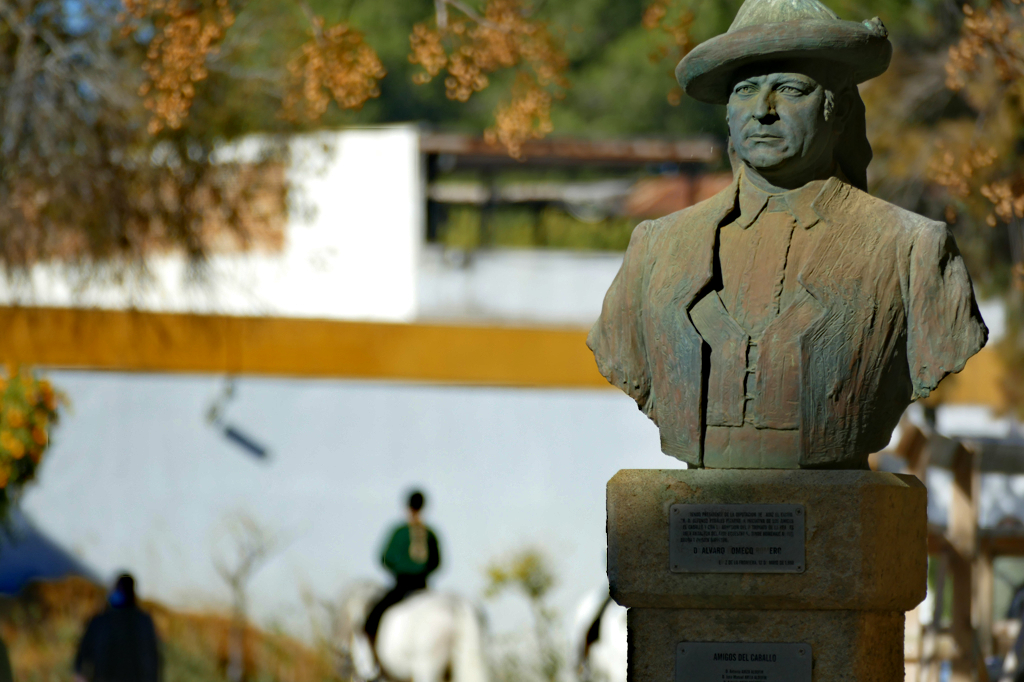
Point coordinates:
[(788, 321)]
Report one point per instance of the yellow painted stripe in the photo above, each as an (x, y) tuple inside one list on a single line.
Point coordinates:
[(498, 356), (156, 342)]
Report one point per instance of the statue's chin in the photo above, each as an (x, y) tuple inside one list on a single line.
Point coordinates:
[(770, 163), (777, 169)]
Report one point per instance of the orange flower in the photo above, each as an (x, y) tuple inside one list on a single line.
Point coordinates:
[(12, 445), (5, 476), (16, 418), (49, 395), (39, 435), (35, 454)]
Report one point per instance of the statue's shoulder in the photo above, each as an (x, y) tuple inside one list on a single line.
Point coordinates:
[(853, 206)]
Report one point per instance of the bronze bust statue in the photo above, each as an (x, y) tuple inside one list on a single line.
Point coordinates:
[(788, 321)]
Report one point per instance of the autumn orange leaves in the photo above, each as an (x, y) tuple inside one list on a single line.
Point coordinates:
[(986, 67), (472, 46), (28, 408), (176, 58), (338, 64), (673, 20), (466, 46)]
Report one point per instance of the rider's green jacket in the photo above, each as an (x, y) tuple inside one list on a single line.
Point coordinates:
[(412, 550)]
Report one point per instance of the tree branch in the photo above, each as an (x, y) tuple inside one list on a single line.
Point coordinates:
[(441, 14), (312, 19), (471, 13)]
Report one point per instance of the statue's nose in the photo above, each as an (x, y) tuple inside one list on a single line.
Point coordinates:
[(764, 106)]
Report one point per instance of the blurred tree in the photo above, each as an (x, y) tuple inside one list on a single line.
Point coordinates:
[(528, 572), (979, 156), (582, 67), (928, 133), (336, 62), (82, 180), (252, 544), (111, 112)]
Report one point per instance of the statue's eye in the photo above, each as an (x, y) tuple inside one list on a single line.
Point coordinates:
[(790, 90), (746, 89)]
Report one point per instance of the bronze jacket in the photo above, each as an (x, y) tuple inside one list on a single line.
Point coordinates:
[(895, 313)]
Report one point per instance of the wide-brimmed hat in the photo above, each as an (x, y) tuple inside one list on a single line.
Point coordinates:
[(783, 29)]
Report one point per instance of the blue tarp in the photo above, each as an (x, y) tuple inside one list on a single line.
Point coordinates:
[(26, 554)]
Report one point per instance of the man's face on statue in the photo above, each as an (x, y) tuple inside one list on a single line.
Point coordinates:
[(778, 124)]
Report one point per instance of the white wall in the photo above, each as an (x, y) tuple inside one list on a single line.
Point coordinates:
[(351, 249), (515, 285)]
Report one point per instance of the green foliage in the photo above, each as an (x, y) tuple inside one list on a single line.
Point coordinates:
[(468, 228), (620, 93), (564, 231), (184, 665), (528, 572)]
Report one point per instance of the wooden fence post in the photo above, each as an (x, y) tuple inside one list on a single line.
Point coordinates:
[(968, 664)]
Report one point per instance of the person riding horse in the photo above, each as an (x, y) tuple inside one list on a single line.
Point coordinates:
[(411, 555)]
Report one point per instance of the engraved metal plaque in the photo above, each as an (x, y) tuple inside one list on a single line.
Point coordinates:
[(742, 662), (736, 538)]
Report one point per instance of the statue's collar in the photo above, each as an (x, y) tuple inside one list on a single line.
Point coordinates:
[(801, 203)]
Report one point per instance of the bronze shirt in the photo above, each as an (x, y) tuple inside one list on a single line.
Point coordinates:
[(759, 256)]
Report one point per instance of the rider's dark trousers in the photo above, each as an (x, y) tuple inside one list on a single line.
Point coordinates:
[(404, 584)]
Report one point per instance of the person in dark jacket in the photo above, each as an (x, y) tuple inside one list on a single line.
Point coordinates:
[(410, 555), (120, 643), (6, 673)]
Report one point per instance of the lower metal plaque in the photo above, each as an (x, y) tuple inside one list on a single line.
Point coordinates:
[(742, 662), (736, 538)]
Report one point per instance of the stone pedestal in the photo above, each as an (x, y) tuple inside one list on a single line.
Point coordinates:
[(865, 565)]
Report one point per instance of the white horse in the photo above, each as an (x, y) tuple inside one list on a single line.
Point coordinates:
[(600, 635), (427, 637)]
